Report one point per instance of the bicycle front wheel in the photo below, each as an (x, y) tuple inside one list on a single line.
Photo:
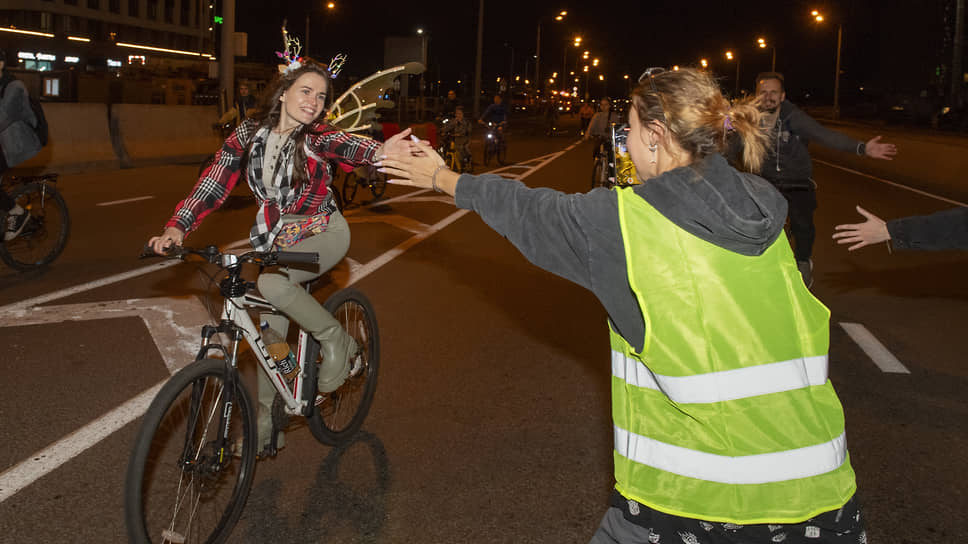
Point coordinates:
[(340, 414), (44, 236), (185, 482), (598, 173)]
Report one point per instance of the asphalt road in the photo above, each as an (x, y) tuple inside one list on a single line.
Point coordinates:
[(491, 421)]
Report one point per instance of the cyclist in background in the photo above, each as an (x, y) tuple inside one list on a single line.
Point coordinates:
[(18, 142), (240, 111), (286, 154), (599, 126), (496, 113), (459, 129), (449, 106)]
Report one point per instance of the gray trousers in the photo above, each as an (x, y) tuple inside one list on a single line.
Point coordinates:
[(284, 290)]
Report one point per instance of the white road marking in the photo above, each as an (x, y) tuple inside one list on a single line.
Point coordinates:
[(174, 324), (36, 301), (889, 182), (882, 357), (43, 462), (125, 201)]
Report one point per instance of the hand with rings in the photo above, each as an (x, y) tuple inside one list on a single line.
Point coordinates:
[(171, 237)]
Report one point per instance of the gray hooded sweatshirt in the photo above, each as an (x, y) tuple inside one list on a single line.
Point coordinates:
[(578, 236)]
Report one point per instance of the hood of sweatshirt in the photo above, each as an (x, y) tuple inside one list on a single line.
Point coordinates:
[(737, 211)]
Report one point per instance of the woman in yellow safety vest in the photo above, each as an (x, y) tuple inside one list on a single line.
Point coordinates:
[(726, 426)]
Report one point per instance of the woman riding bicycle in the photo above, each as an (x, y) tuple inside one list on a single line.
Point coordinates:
[(284, 152), (726, 427)]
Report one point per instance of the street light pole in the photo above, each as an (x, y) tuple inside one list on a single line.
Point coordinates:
[(480, 53), (537, 57), (840, 33)]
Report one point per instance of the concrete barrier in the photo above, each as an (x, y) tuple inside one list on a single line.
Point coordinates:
[(78, 140), (158, 134)]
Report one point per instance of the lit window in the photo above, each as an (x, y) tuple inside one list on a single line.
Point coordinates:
[(51, 86)]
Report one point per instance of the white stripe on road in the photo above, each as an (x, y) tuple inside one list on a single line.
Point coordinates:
[(43, 462), (889, 182), (176, 340), (88, 286), (173, 324), (125, 201), (882, 357)]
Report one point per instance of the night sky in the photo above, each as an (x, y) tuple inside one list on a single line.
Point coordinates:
[(896, 46)]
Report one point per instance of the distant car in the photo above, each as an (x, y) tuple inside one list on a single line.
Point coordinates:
[(519, 102), (909, 109)]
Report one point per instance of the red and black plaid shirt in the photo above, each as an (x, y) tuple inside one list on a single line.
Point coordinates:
[(324, 144)]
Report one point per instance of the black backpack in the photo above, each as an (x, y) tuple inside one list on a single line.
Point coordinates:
[(41, 129)]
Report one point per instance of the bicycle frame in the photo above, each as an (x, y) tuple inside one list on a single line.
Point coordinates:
[(236, 323)]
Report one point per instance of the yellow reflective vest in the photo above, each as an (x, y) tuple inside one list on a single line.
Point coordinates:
[(727, 413)]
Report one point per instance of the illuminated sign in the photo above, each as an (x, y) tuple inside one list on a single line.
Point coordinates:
[(140, 59), (217, 19), (114, 63), (27, 55), (72, 60)]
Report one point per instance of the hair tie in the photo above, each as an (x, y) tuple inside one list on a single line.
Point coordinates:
[(728, 123)]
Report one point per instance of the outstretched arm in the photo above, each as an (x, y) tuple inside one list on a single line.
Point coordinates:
[(872, 231)]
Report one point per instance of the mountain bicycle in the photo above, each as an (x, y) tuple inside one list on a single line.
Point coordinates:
[(365, 176), (192, 464), (48, 226)]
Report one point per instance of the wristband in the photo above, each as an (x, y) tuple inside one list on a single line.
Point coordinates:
[(862, 148), (433, 178)]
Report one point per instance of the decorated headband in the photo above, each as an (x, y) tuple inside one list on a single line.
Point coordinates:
[(292, 60)]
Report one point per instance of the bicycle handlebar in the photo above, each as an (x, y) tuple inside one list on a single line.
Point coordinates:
[(213, 255)]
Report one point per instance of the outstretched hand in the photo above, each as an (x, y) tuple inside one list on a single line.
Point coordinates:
[(872, 231), (417, 166), (876, 149), (398, 143)]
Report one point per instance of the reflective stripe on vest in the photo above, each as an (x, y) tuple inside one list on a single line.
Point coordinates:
[(739, 383), (750, 469)]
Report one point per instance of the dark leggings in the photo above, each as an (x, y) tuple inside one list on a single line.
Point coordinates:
[(802, 203)]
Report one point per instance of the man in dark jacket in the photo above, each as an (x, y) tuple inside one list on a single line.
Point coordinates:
[(18, 142), (787, 164)]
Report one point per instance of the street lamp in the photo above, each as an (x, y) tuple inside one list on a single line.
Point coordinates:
[(761, 42), (537, 48), (817, 16), (731, 56), (704, 63), (329, 6)]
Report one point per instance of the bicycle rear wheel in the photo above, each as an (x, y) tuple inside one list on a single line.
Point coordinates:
[(340, 414), (378, 184), (350, 184), (44, 236), (183, 483)]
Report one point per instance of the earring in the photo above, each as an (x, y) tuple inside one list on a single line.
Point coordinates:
[(653, 148)]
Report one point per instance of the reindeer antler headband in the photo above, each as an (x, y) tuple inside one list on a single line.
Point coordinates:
[(292, 60)]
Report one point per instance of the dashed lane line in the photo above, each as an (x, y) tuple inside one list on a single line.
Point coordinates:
[(174, 324), (125, 201), (882, 357)]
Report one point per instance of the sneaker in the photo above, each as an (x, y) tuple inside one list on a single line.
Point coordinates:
[(806, 271), (15, 225)]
